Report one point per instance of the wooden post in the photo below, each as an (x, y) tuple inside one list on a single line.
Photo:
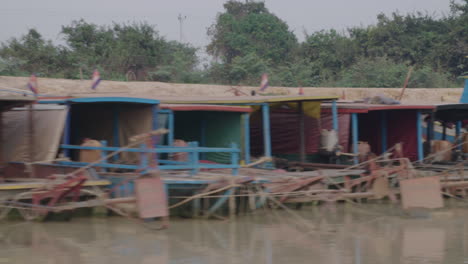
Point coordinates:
[(194, 157), (234, 159), (302, 149), (419, 135), (103, 154), (430, 132), (444, 131), (31, 139), (232, 200), (383, 130), (355, 135)]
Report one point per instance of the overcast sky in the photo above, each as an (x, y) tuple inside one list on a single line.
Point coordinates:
[(47, 16)]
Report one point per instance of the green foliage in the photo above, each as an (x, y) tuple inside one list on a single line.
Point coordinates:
[(246, 28), (247, 40), (114, 50), (383, 72)]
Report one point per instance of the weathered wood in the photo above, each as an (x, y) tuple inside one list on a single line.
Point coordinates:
[(338, 197), (424, 192)]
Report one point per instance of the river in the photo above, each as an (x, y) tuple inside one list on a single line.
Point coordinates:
[(333, 233)]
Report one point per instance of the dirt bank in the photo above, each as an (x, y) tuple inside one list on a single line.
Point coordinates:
[(154, 89)]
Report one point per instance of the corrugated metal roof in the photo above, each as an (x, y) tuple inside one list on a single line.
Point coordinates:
[(98, 99), (202, 107), (364, 108), (8, 102), (242, 99)]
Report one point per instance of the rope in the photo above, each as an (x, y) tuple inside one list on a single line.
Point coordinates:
[(203, 194)]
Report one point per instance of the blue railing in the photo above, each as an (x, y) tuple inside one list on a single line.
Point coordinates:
[(193, 162)]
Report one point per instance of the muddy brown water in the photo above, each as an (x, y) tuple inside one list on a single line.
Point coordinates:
[(342, 233)]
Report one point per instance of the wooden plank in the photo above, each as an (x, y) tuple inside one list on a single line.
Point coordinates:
[(151, 197), (421, 193), (33, 185)]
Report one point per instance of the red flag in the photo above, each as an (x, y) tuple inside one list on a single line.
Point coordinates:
[(264, 83), (96, 79), (32, 84)]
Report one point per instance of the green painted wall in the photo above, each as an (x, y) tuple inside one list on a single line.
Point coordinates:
[(210, 129)]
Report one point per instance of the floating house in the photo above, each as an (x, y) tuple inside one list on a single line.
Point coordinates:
[(209, 125), (6, 104), (111, 121), (382, 126), (451, 117), (280, 126)]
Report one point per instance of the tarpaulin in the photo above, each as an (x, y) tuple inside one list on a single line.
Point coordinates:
[(48, 123), (99, 122), (401, 128), (284, 129), (343, 128), (310, 108)]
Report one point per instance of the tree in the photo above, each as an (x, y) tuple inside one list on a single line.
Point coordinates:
[(30, 53), (249, 28)]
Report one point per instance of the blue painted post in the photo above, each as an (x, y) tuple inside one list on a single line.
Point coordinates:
[(419, 135), (155, 110), (335, 116), (103, 154), (115, 131), (430, 130), (266, 129), (464, 97), (203, 136), (170, 120), (154, 126), (194, 157), (234, 159), (458, 126), (355, 131), (66, 132), (166, 191), (144, 161), (246, 118), (383, 130)]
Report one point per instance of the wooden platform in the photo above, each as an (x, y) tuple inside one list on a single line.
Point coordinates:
[(36, 184)]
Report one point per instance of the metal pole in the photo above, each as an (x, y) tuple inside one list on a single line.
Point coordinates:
[(355, 131), (31, 139), (266, 129)]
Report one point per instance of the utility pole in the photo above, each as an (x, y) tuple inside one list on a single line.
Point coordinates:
[(181, 19)]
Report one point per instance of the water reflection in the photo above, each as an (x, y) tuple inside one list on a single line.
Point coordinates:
[(331, 234)]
